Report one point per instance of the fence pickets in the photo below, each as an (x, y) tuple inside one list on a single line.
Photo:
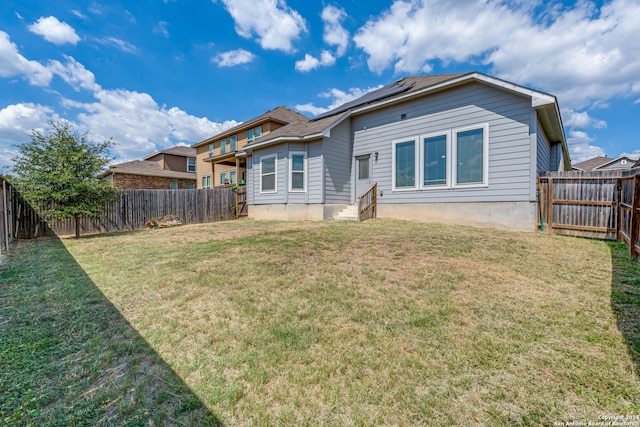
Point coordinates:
[(131, 210), (596, 204)]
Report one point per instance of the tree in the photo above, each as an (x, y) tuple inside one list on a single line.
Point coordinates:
[(57, 171)]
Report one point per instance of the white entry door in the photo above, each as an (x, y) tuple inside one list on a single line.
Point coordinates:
[(363, 174)]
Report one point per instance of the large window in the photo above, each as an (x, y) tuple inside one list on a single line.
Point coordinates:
[(223, 145), (232, 177), (254, 133), (404, 164), (206, 181), (233, 139), (268, 172), (435, 160), (211, 150), (191, 164), (297, 168), (456, 158), (470, 156), (223, 178)]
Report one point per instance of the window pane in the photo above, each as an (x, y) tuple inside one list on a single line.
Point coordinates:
[(269, 165), (268, 182), (435, 160), (232, 177), (363, 168), (405, 164), (297, 181), (173, 185), (232, 142), (191, 164), (257, 132), (190, 186), (223, 146), (297, 163), (211, 150), (470, 156)]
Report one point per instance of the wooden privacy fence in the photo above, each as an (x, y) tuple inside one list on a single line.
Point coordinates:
[(131, 210), (603, 205)]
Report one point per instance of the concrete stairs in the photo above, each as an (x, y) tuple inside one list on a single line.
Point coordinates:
[(350, 213)]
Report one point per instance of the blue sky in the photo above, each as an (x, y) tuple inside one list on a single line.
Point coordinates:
[(156, 73)]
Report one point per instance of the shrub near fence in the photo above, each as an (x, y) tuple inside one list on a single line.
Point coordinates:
[(132, 210)]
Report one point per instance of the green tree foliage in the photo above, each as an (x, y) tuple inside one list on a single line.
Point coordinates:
[(57, 171)]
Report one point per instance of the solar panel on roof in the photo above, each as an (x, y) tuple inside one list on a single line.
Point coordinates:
[(376, 95)]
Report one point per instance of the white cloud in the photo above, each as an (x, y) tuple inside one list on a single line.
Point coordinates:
[(14, 64), (74, 74), (272, 22), (334, 32), (581, 53), (54, 31), (337, 96), (311, 63), (233, 57), (118, 43), (161, 29), (580, 147), (575, 119)]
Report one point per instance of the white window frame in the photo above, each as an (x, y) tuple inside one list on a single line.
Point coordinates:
[(416, 156), (275, 173), (251, 133), (189, 161), (485, 156), (211, 147), (208, 179), (448, 176), (304, 171)]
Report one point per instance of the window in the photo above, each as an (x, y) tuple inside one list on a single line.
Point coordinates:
[(206, 181), (223, 178), (435, 160), (232, 143), (223, 145), (363, 168), (191, 164), (470, 148), (404, 164), (297, 167), (268, 170), (191, 186), (211, 150), (254, 133), (173, 185), (232, 177)]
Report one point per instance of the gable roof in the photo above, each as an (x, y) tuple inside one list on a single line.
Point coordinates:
[(280, 114), (602, 162), (413, 87), (178, 150), (146, 168)]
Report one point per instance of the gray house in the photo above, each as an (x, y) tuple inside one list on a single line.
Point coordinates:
[(456, 148)]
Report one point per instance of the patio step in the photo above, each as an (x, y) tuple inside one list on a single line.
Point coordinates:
[(350, 213)]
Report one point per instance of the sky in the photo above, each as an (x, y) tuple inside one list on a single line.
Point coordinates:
[(152, 74)]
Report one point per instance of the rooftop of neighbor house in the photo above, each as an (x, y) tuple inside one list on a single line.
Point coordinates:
[(184, 151), (280, 114), (602, 162), (146, 168)]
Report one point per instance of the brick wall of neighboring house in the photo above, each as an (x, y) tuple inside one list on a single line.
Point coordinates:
[(141, 182)]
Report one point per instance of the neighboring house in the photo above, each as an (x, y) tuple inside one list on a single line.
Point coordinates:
[(605, 163), (458, 148), (173, 168), (216, 157)]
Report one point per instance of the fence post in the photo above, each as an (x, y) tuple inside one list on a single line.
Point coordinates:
[(635, 218), (550, 205), (618, 209)]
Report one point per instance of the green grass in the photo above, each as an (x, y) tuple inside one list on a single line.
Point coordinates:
[(332, 323)]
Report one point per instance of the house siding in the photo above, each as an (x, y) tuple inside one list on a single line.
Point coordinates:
[(282, 184), (338, 161), (508, 116), (544, 151)]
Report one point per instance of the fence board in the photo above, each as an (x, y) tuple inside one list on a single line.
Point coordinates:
[(131, 210), (602, 204)]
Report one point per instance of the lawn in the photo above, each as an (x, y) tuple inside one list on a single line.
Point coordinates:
[(332, 323)]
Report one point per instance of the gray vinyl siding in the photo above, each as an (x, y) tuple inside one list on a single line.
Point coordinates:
[(250, 189), (315, 164), (555, 157), (508, 116), (544, 151), (338, 159)]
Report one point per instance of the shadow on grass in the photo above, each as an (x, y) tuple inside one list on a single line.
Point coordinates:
[(68, 357), (625, 298)]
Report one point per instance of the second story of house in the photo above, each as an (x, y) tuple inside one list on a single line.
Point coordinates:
[(216, 156), (177, 159)]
